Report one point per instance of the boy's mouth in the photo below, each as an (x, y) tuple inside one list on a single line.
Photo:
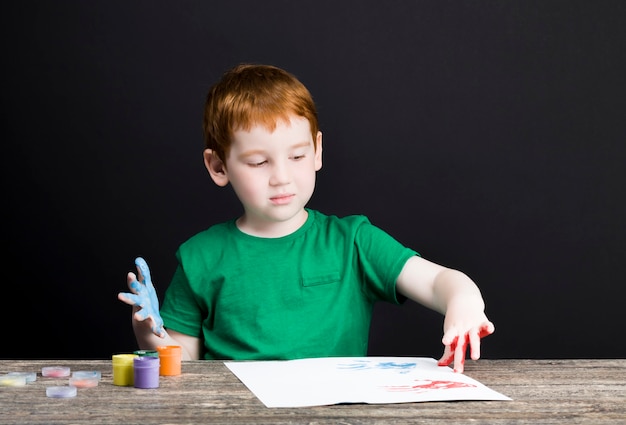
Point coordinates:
[(282, 199)]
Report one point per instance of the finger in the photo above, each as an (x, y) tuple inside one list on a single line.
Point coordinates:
[(486, 329), (141, 315), (451, 337), (159, 331), (131, 281), (144, 271), (459, 354), (157, 323), (449, 343), (474, 340), (156, 326), (128, 298), (136, 287), (447, 357)]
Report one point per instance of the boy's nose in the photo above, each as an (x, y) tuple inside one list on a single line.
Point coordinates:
[(280, 174)]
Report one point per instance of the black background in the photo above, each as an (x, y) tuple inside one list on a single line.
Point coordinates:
[(490, 136)]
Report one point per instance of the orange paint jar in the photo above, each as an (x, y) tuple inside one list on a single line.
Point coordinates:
[(171, 360)]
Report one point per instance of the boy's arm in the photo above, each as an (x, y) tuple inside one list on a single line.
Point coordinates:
[(453, 294), (146, 320)]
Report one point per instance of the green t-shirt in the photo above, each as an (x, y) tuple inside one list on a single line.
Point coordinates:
[(307, 294)]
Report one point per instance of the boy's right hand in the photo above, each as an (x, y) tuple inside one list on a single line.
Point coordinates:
[(143, 298)]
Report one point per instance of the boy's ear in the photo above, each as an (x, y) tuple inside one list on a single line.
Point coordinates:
[(318, 151), (215, 167)]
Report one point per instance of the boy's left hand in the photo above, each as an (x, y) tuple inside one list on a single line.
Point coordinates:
[(456, 339)]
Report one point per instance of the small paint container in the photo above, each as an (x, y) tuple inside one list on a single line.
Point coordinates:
[(146, 372), (55, 371), (12, 381), (143, 353), (123, 369), (171, 357), (61, 392), (79, 382), (28, 376), (90, 374)]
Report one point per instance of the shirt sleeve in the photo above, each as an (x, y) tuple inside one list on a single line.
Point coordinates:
[(381, 259), (180, 310)]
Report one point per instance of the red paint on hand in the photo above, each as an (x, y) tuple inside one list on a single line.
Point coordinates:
[(448, 357)]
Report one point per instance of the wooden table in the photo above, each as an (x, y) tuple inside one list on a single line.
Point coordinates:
[(543, 391)]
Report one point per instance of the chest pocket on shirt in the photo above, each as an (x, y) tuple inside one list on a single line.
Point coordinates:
[(320, 289), (321, 278), (321, 281)]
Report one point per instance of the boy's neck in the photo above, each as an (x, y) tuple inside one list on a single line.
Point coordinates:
[(271, 229)]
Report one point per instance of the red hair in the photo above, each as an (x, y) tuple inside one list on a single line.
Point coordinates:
[(249, 95)]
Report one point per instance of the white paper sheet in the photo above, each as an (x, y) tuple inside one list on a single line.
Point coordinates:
[(334, 380)]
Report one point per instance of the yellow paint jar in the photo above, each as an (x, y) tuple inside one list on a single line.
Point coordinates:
[(123, 373)]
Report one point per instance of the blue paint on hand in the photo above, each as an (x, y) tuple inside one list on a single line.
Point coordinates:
[(144, 295)]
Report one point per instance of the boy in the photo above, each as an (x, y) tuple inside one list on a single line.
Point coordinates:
[(283, 281)]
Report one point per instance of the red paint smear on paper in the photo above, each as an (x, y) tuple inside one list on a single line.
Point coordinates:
[(425, 386)]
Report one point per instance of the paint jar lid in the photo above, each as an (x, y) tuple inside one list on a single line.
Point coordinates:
[(12, 381), (123, 359), (149, 353), (169, 350), (29, 376), (55, 371), (91, 374), (61, 391)]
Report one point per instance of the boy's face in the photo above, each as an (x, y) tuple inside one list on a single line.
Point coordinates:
[(273, 174)]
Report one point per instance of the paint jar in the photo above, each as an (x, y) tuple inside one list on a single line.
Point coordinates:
[(61, 392), (146, 372), (123, 369), (28, 376), (12, 380), (152, 353), (171, 357), (79, 382), (90, 374), (55, 371)]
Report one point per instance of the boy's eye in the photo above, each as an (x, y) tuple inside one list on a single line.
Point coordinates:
[(258, 163), (298, 157)]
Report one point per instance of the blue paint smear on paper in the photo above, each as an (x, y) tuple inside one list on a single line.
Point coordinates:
[(369, 365)]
